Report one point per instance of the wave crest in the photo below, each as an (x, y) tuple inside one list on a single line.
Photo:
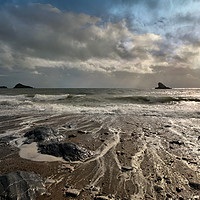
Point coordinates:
[(151, 99)]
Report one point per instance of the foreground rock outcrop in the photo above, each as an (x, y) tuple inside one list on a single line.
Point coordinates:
[(19, 85), (134, 157), (162, 86), (68, 151), (49, 142), (21, 185), (43, 135)]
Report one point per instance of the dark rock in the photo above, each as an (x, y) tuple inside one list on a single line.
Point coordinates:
[(72, 192), (49, 142), (167, 180), (81, 132), (19, 85), (67, 126), (120, 153), (43, 135), (159, 179), (72, 136), (176, 142), (178, 189), (186, 159), (162, 86), (168, 195), (126, 168), (3, 87), (167, 126), (158, 189), (68, 151), (21, 185), (193, 162), (195, 186)]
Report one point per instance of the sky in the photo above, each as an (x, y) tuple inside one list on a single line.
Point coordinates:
[(100, 43)]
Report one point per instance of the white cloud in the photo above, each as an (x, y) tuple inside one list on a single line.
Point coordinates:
[(39, 37)]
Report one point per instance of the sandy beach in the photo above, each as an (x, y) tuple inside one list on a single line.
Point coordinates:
[(99, 100), (142, 157)]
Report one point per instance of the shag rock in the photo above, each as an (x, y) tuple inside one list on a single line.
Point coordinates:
[(19, 85), (68, 151), (3, 87), (162, 86), (21, 185), (43, 135)]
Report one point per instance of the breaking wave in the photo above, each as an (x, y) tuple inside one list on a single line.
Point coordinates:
[(12, 100), (39, 97), (91, 99), (151, 99), (59, 101)]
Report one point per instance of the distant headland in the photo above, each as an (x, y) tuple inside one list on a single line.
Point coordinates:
[(19, 85), (162, 86)]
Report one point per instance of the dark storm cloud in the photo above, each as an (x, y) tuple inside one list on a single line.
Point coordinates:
[(37, 35), (119, 43)]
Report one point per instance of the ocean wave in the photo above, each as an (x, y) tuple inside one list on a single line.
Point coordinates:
[(6, 100), (43, 97), (151, 99), (14, 100)]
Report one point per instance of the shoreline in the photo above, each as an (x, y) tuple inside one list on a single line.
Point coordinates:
[(149, 157)]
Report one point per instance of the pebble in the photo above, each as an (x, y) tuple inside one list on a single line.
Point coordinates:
[(126, 168), (72, 192)]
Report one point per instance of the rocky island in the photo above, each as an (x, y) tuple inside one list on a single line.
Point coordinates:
[(162, 86), (19, 85)]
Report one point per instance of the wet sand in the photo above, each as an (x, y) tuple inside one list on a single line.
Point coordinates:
[(143, 157), (30, 152)]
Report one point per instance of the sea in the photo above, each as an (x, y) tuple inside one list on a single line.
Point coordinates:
[(175, 103), (155, 132)]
